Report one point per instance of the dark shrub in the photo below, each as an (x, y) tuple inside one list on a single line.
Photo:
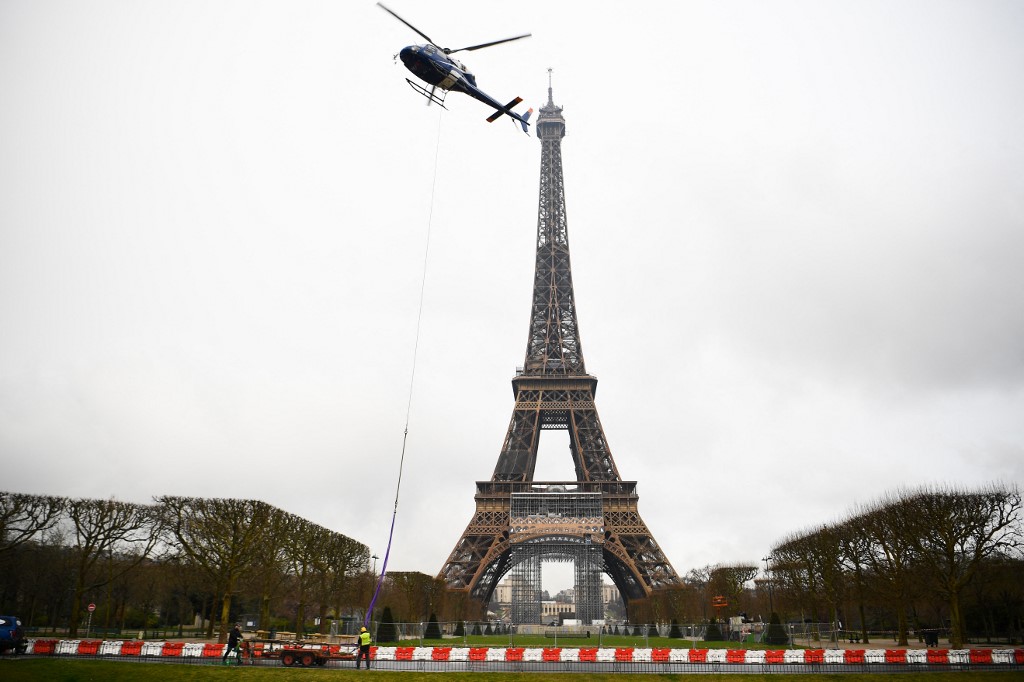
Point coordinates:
[(776, 634), (675, 632), (433, 630), (386, 631)]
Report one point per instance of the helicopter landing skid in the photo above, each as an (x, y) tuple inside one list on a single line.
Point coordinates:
[(430, 94)]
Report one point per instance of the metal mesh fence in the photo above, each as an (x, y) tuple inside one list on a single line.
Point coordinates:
[(490, 633)]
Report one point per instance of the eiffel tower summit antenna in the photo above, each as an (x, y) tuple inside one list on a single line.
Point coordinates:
[(593, 520)]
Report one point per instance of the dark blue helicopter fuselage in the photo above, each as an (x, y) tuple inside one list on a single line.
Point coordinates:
[(433, 66), (436, 68)]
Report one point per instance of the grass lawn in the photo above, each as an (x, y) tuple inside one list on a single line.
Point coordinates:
[(65, 670)]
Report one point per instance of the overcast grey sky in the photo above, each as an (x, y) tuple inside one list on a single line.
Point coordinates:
[(796, 229)]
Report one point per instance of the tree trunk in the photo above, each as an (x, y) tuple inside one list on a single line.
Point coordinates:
[(901, 624), (225, 613), (337, 613), (32, 610), (76, 610), (208, 606), (265, 612), (956, 625)]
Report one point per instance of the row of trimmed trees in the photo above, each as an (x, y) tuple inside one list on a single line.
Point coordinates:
[(938, 557), (925, 545), (176, 557)]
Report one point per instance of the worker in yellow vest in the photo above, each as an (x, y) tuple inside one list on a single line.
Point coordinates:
[(364, 648)]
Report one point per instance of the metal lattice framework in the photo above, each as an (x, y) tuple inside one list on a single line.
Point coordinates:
[(554, 391), (555, 524), (526, 577)]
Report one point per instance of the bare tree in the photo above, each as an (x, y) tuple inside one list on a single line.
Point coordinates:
[(24, 517), (105, 528), (269, 576), (699, 579), (36, 580), (957, 531), (797, 571), (815, 558), (342, 559), (893, 556), (855, 548), (730, 581), (679, 602), (223, 537), (409, 593), (304, 545)]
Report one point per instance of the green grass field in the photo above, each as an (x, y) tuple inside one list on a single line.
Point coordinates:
[(64, 670)]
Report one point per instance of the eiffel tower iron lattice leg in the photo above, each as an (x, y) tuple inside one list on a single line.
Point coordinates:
[(521, 520)]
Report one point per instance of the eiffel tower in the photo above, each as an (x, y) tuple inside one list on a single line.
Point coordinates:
[(593, 520)]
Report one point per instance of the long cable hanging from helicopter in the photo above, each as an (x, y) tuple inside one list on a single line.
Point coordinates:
[(434, 65), (412, 380)]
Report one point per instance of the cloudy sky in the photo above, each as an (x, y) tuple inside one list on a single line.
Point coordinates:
[(797, 231)]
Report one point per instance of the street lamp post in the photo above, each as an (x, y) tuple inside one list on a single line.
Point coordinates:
[(768, 572), (374, 580)]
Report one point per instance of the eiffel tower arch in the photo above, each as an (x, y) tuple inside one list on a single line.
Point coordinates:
[(592, 521)]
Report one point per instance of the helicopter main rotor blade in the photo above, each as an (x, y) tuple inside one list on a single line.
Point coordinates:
[(421, 33), (482, 45)]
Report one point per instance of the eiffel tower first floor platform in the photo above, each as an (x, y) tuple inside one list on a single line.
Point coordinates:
[(549, 517)]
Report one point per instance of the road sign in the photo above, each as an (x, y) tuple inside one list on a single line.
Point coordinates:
[(92, 607)]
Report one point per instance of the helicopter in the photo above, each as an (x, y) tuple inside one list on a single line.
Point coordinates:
[(434, 65)]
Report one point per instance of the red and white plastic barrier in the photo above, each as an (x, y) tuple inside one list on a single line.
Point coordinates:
[(118, 647), (85, 647), (739, 656)]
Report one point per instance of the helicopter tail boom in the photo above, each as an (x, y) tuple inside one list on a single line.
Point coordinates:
[(507, 109)]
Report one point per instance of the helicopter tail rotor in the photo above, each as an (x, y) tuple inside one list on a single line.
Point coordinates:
[(507, 109)]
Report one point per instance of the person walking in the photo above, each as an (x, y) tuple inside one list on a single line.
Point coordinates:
[(364, 648), (233, 638)]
